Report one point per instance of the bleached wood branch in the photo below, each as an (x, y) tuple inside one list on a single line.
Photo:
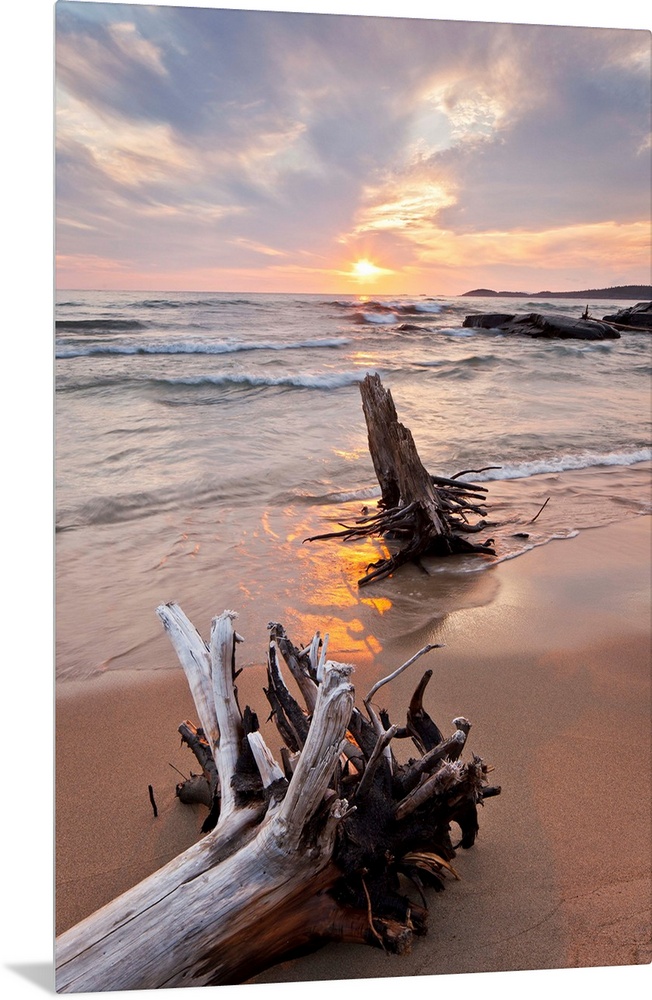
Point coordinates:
[(399, 670), (269, 770), (229, 720), (321, 750), (274, 876), (373, 716), (195, 659), (255, 867)]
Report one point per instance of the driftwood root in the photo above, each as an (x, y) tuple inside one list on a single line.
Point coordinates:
[(420, 513), (334, 845)]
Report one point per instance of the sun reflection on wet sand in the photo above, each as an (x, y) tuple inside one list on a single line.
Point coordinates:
[(315, 588), (381, 604), (315, 585), (332, 602)]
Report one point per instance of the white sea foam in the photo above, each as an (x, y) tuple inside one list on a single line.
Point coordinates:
[(427, 307), (365, 493), (330, 380), (564, 463), (197, 347), (381, 319)]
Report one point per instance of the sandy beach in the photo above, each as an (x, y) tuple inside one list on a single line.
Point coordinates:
[(554, 674)]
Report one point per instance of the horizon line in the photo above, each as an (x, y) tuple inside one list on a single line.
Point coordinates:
[(491, 291)]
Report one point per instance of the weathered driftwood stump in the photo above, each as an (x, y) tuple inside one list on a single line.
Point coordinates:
[(299, 855), (425, 514)]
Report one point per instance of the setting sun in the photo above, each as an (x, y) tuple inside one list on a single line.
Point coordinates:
[(365, 269)]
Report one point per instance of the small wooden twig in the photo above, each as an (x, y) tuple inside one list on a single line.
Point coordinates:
[(151, 799), (298, 662), (194, 739), (370, 917), (538, 512), (399, 670), (475, 472), (377, 724), (291, 718), (322, 659), (425, 733)]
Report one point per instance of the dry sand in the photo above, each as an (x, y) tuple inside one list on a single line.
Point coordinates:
[(554, 673)]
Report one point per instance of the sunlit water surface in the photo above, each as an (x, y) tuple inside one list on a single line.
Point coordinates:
[(202, 437)]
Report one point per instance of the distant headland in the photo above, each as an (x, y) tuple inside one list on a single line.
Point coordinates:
[(615, 292)]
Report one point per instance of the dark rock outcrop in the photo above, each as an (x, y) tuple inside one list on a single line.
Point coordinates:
[(539, 325), (637, 317), (489, 321)]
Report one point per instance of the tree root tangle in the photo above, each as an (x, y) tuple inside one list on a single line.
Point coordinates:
[(424, 514), (332, 844)]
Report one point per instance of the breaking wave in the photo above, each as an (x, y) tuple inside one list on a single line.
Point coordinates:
[(197, 347), (565, 463), (331, 380), (98, 325), (385, 313), (380, 319)]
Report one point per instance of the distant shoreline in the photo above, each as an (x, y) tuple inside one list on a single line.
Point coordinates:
[(616, 292), (638, 292)]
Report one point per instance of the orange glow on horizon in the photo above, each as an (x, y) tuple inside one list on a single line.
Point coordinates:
[(446, 262)]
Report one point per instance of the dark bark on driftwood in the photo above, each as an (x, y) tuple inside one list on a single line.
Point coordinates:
[(333, 847), (424, 514)]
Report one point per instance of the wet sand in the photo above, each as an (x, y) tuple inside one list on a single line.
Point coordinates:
[(554, 674)]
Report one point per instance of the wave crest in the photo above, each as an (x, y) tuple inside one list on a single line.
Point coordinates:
[(98, 325), (565, 463), (198, 347), (330, 380)]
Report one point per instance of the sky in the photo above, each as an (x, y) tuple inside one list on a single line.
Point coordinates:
[(247, 150)]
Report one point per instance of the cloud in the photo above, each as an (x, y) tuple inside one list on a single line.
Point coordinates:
[(195, 135), (572, 154)]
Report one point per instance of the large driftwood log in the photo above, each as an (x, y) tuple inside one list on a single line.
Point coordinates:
[(426, 514), (297, 855)]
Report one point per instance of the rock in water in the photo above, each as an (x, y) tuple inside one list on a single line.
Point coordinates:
[(637, 317), (539, 325)]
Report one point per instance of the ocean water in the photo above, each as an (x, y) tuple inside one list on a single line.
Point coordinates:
[(201, 437)]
